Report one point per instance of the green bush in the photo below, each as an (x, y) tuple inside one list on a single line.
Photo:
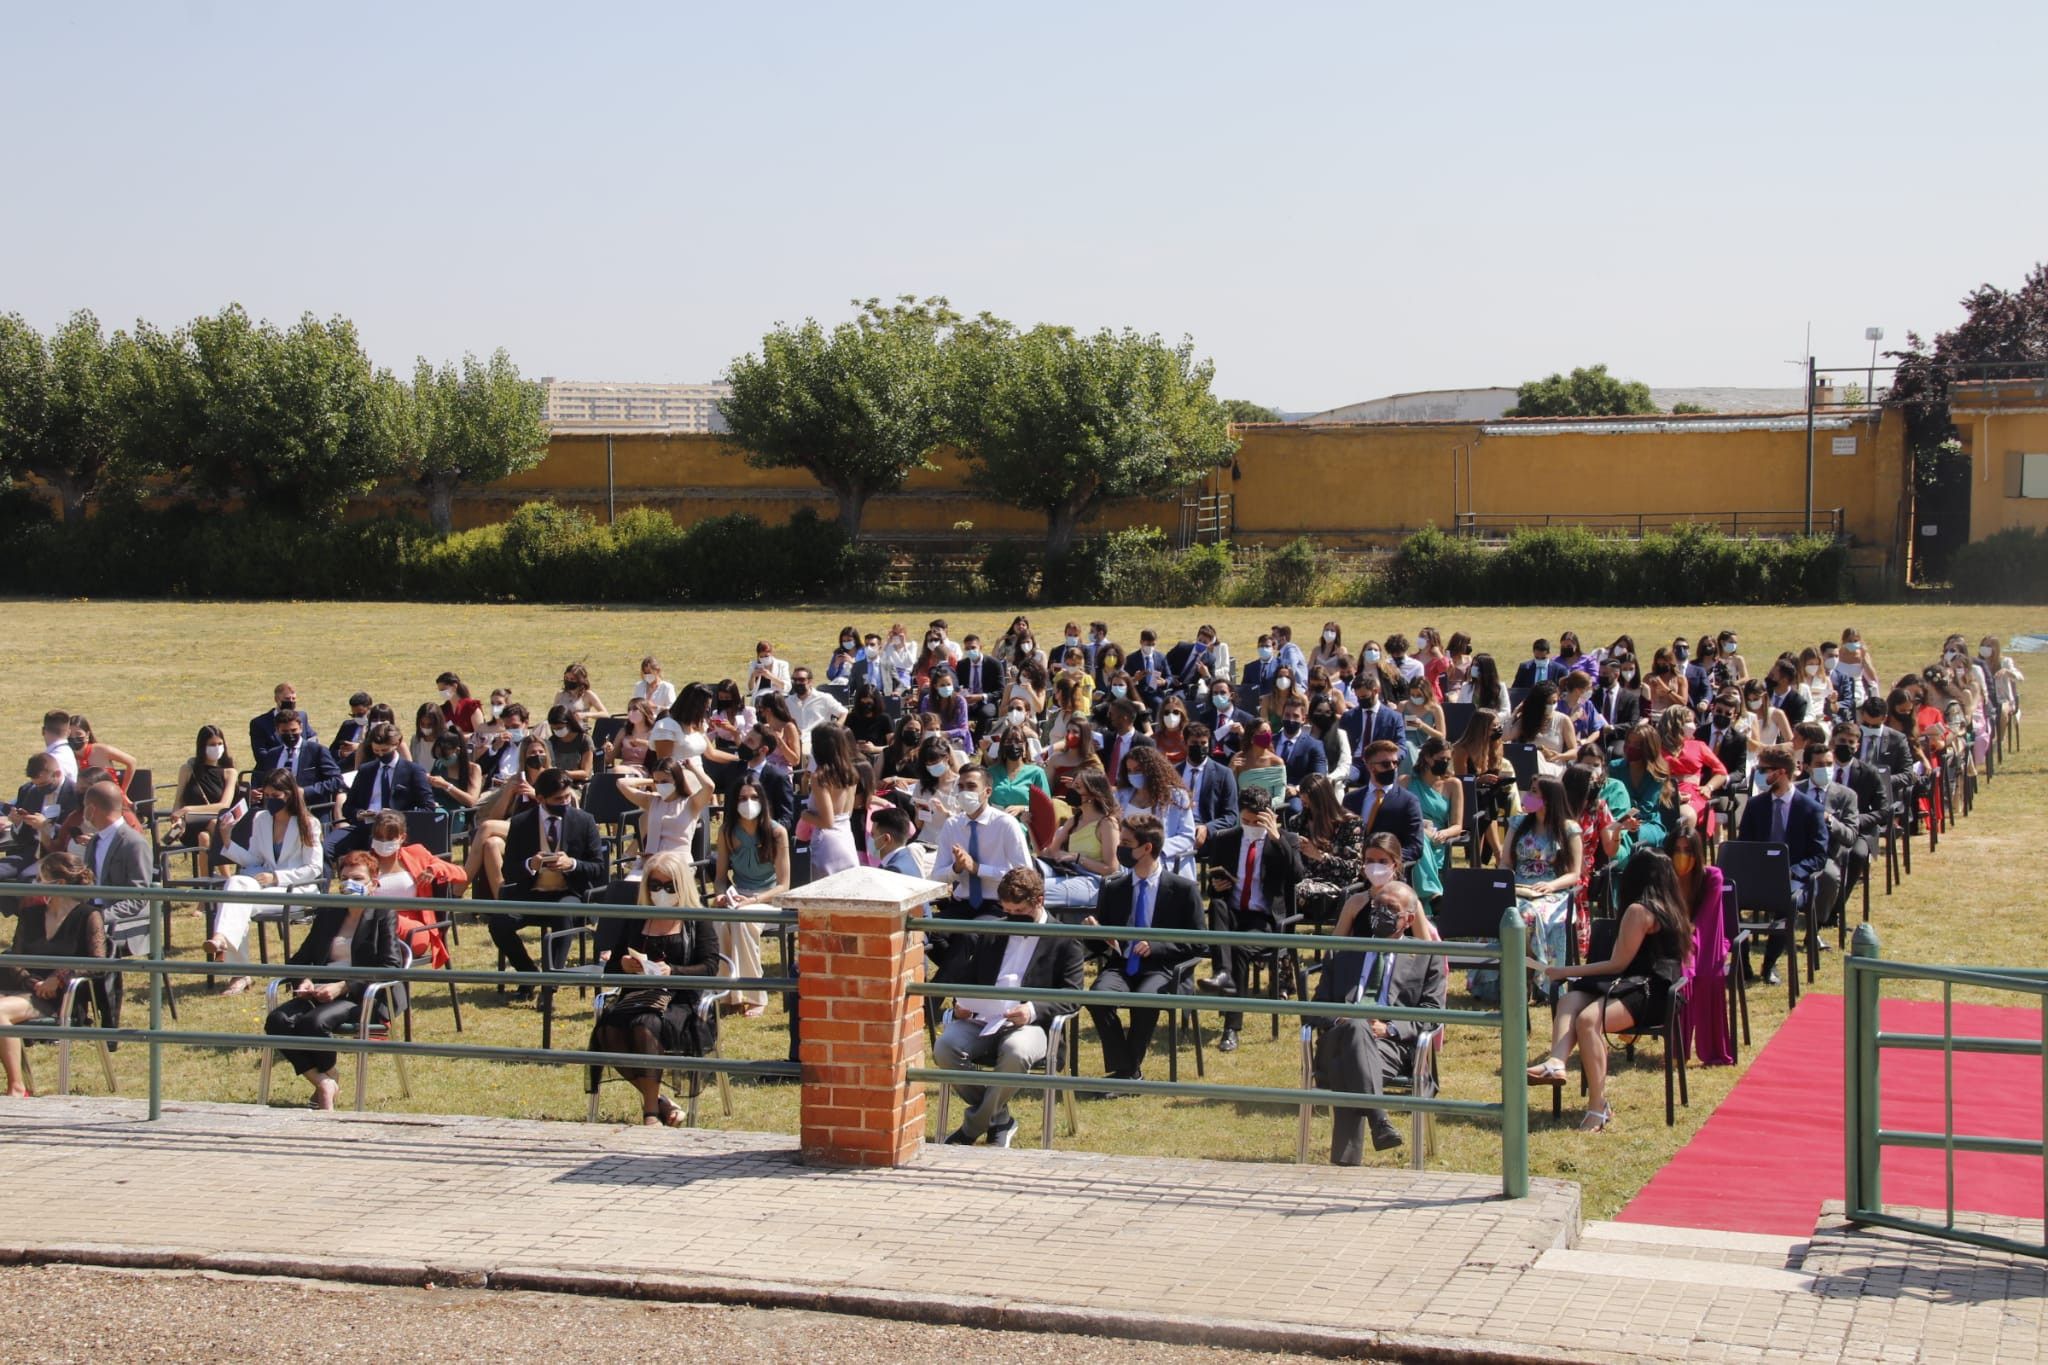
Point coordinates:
[(1009, 573), (2011, 566), (1291, 575)]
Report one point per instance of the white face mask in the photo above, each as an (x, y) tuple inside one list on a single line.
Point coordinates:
[(1284, 684), (665, 790), (1329, 637), (1379, 874), (497, 709), (1019, 716), (1171, 720), (563, 732), (385, 848), (447, 694), (214, 751), (1984, 651), (750, 810), (663, 898)]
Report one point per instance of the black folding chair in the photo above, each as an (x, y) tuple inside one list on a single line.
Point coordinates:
[(606, 804), (1474, 899), (432, 830), (1602, 948), (1457, 716), (1737, 934), (1522, 758), (1761, 874)]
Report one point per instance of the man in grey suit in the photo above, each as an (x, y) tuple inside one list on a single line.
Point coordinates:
[(1359, 1054), (117, 855), (1843, 813)]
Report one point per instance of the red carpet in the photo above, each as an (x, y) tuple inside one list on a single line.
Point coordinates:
[(1773, 1151)]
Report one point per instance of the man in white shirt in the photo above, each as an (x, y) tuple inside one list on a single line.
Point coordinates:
[(57, 743), (810, 708), (976, 847), (986, 1027)]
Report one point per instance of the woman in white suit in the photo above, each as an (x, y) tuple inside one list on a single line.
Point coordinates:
[(283, 851)]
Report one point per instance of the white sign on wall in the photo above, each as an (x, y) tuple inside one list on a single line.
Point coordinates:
[(1845, 445)]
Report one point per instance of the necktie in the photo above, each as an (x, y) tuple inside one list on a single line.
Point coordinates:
[(1372, 806), (974, 852), (1193, 776), (291, 760), (1869, 743), (1141, 918), (1251, 870), (1778, 804), (383, 786), (554, 833)]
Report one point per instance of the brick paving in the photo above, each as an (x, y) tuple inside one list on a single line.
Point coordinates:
[(1390, 1260)]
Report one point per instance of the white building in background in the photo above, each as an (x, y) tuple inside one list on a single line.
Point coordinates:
[(574, 403), (1484, 405)]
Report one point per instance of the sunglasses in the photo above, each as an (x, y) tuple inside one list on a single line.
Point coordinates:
[(661, 886)]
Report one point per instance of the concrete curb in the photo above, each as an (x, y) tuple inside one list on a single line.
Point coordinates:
[(1010, 1315)]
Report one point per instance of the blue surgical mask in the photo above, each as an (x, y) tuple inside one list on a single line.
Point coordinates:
[(1372, 656), (972, 656), (937, 769), (1137, 781), (1265, 653), (945, 689), (1117, 689)]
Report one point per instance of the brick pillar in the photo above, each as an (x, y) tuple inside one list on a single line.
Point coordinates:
[(861, 1030)]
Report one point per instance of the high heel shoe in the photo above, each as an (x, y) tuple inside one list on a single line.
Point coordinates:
[(1596, 1120)]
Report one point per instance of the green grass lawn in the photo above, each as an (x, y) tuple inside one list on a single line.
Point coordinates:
[(148, 674)]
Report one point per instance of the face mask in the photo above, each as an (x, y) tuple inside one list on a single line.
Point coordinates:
[(847, 645), (1680, 653), (1822, 776), (1386, 778), (1137, 782), (972, 656), (937, 769), (515, 733), (1756, 705), (1117, 690), (1073, 642), (1284, 684), (1682, 864), (665, 897), (1372, 656), (1329, 637), (447, 694), (288, 741), (750, 810), (945, 689), (1379, 874), (1265, 654), (1872, 731), (1532, 803), (665, 790), (1262, 740), (1171, 720), (214, 751), (1628, 675), (1984, 651), (562, 732), (1025, 649), (273, 804), (352, 887), (385, 848), (77, 743), (1253, 834), (1220, 700), (1292, 727)]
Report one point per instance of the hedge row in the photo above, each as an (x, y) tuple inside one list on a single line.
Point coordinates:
[(548, 553), (2011, 566)]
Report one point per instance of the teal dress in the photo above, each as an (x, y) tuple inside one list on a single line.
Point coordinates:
[(1645, 800), (1615, 796), (1427, 876)]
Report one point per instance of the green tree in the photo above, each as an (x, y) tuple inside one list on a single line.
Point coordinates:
[(289, 420), (1586, 392), (1243, 410), (857, 408), (64, 409), (1685, 409), (453, 427), (1060, 423)]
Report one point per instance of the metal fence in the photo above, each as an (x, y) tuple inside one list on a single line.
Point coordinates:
[(1828, 521), (1866, 1135)]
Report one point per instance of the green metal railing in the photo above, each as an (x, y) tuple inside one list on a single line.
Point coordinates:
[(1864, 1130), (157, 967), (1511, 1019)]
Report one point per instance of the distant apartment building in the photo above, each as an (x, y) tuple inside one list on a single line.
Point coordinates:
[(576, 404)]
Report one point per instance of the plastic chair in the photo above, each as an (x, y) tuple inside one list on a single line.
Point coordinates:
[(1420, 1081), (1667, 1029), (68, 1011), (1763, 872), (367, 1027), (707, 1004)]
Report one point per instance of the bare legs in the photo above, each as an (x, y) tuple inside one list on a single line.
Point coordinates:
[(14, 1009), (640, 1034), (1583, 1020)]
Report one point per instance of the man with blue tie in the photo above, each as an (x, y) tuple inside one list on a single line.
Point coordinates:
[(384, 780), (1371, 719), (1193, 666), (1212, 787), (1259, 672), (1297, 745), (1539, 667), (1357, 1055), (307, 760), (1148, 668), (1783, 814), (1123, 737), (263, 744), (976, 847), (1146, 897)]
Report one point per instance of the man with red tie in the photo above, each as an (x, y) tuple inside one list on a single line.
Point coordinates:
[(1252, 873), (1123, 737)]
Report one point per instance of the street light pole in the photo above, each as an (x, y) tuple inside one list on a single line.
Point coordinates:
[(1873, 335), (1809, 445)]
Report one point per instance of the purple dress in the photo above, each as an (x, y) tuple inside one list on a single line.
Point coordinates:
[(1704, 1026)]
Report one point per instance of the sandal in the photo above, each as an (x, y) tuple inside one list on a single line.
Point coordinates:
[(1596, 1120), (1549, 1071), (670, 1114), (239, 985)]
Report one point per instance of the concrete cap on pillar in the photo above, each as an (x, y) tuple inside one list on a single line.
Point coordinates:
[(864, 888)]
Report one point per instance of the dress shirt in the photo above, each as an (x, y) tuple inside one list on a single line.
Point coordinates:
[(813, 709), (1001, 844), (66, 759), (1017, 952)]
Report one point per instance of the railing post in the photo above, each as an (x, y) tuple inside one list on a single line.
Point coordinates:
[(1859, 1110), (859, 1028), (157, 911), (1514, 1056)]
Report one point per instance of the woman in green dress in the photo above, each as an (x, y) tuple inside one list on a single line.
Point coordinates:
[(1648, 810), (1442, 798)]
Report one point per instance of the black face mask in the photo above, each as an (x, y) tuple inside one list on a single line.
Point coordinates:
[(1440, 767), (77, 743)]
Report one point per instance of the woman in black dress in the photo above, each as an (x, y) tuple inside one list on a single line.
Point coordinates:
[(658, 1019), (1632, 987), (351, 936), (1332, 847), (55, 926)]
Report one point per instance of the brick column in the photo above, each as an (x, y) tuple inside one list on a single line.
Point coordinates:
[(861, 1031)]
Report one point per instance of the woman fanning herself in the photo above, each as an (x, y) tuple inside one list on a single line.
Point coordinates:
[(1631, 988)]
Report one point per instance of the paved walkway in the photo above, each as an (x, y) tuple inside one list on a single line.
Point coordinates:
[(1310, 1258)]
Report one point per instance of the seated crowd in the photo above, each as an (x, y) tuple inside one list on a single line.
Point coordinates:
[(1133, 788)]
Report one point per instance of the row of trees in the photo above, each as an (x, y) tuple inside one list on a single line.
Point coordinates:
[(1046, 418), (295, 420)]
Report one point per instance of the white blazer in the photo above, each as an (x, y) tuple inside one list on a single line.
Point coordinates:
[(297, 863)]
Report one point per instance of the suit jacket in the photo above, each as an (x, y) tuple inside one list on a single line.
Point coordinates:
[(1793, 704), (319, 776), (1244, 721), (1304, 753), (1215, 792), (23, 842), (1178, 905), (984, 676), (127, 864), (778, 793), (1419, 982), (1526, 675), (1258, 675), (1399, 814), (1806, 835), (1386, 724), (1118, 748), (263, 745), (409, 789), (1838, 807), (1056, 964), (1889, 751), (1183, 669), (1624, 710), (579, 840), (1873, 794), (1139, 666), (374, 944), (296, 862), (1280, 865), (1731, 747)]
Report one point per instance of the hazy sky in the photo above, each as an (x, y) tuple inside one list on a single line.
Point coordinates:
[(1334, 201)]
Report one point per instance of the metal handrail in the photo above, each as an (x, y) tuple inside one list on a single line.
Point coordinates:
[(1865, 1135)]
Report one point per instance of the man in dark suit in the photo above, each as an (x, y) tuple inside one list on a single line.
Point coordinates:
[(1617, 697), (117, 855), (1731, 746), (1020, 1042), (41, 805), (1839, 812), (980, 678), (1382, 802), (1121, 737), (1229, 724), (1253, 870), (1882, 747), (1785, 815), (1260, 670), (1372, 719), (1146, 897), (1212, 787), (308, 760), (1783, 694), (1359, 1054), (1537, 668), (1873, 802), (552, 853), (385, 780), (1297, 745), (263, 743), (1148, 669), (1192, 665)]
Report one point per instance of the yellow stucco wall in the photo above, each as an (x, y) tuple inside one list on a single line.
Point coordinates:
[(1991, 436)]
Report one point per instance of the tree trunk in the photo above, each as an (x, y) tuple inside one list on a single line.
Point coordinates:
[(853, 506), (1060, 524), (441, 504), (74, 500)]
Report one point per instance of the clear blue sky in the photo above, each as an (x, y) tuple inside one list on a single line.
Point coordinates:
[(1334, 201)]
